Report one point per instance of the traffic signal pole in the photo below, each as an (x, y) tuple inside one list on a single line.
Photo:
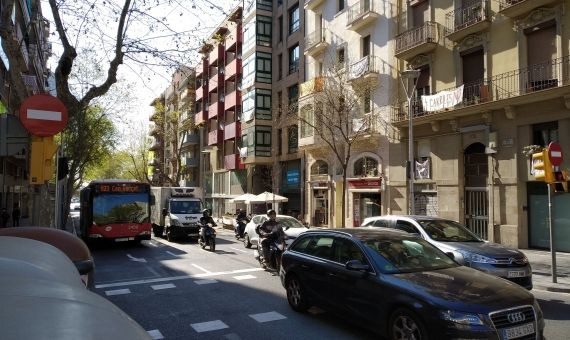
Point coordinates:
[(551, 230)]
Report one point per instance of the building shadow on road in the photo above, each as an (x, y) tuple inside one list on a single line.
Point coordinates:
[(554, 309)]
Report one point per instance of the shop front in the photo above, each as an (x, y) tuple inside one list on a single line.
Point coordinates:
[(291, 188), (365, 195)]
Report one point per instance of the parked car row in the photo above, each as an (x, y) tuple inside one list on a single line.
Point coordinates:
[(414, 277)]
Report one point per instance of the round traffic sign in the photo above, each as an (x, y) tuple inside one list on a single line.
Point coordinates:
[(43, 115), (555, 153)]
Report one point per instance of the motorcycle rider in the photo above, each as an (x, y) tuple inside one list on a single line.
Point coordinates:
[(241, 221), (270, 231), (204, 221)]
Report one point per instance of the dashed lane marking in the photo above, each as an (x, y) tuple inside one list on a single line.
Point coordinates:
[(267, 317), (132, 258), (201, 268), (209, 326), (205, 282), (175, 278), (171, 253), (244, 277), (243, 251), (164, 286), (232, 336), (155, 334), (117, 292)]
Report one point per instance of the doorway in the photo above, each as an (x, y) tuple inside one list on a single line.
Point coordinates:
[(321, 205), (476, 195)]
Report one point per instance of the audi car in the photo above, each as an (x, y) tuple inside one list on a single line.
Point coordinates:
[(403, 287)]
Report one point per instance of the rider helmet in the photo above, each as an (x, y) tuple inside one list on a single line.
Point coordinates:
[(271, 211)]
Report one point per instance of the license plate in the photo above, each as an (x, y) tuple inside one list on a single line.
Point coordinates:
[(519, 331), (516, 273), (124, 239), (193, 234)]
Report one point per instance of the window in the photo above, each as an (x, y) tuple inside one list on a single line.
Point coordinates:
[(320, 168), (279, 142), (279, 102), (248, 105), (263, 104), (346, 250), (248, 36), (294, 59), (279, 2), (257, 139), (380, 224), (307, 121), (407, 227), (543, 134), (293, 138), (366, 167), (367, 101), (294, 21), (301, 244), (366, 46), (320, 246), (263, 68), (340, 57), (280, 28), (264, 30), (340, 5), (293, 95), (280, 65), (248, 71)]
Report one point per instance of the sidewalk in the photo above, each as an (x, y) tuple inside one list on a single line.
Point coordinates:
[(541, 275)]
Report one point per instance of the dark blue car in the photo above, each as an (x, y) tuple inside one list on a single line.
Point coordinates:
[(404, 288)]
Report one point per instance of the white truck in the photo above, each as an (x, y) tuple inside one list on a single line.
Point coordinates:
[(176, 212)]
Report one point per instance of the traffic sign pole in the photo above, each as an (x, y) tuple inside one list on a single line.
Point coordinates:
[(551, 230)]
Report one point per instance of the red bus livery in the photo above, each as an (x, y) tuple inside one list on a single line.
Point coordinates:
[(115, 209)]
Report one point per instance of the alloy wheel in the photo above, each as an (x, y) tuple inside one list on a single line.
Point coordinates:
[(405, 328)]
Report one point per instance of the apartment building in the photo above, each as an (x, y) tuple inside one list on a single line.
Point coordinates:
[(348, 43), (31, 32), (506, 66), (156, 150)]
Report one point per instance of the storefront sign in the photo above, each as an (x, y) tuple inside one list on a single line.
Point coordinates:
[(293, 177), (319, 185), (442, 100), (364, 183)]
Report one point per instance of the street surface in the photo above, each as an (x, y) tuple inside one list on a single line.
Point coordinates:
[(179, 291)]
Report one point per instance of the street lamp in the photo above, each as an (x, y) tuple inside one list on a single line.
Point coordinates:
[(405, 77)]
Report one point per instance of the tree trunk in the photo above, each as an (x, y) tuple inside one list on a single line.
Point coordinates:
[(343, 203)]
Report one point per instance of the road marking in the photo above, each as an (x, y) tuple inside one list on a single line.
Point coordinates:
[(209, 326), (202, 269), (244, 277), (171, 253), (243, 251), (205, 282), (117, 292), (164, 286), (174, 278), (267, 317), (152, 244), (155, 334), (132, 258), (232, 336)]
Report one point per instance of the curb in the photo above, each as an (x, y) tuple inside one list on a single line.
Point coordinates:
[(552, 288)]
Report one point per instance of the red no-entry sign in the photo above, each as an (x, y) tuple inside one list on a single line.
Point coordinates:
[(555, 153), (43, 115)]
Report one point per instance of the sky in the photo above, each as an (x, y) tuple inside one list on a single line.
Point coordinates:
[(196, 18)]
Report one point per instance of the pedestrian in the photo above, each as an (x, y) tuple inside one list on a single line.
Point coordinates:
[(4, 217), (16, 216)]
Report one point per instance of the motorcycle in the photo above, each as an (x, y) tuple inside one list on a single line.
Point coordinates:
[(276, 249), (207, 236), (239, 227)]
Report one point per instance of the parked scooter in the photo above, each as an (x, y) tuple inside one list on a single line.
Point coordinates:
[(207, 236), (276, 249)]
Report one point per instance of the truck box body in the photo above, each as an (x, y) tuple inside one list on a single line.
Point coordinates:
[(183, 211)]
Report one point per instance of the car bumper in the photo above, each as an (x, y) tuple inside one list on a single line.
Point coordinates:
[(445, 330), (521, 275)]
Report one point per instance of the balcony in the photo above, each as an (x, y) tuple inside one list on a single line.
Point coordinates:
[(232, 100), (31, 83), (519, 87), (201, 92), (467, 20), (23, 55), (215, 137), (234, 38), (233, 69), (217, 54), (169, 94), (233, 162), (232, 130), (215, 109), (312, 4), (518, 8), (361, 14), (419, 40), (216, 81), (191, 162), (312, 86), (190, 139), (201, 117), (366, 68), (156, 146), (316, 42)]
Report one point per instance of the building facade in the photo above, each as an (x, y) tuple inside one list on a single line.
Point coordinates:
[(506, 65)]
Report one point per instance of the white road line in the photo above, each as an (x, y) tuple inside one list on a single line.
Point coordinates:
[(117, 292), (267, 317), (164, 286), (209, 326), (205, 282), (171, 253), (244, 277), (155, 334), (152, 244), (243, 251), (132, 258), (175, 278), (202, 269)]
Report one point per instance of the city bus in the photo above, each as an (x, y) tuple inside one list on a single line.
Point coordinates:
[(118, 210)]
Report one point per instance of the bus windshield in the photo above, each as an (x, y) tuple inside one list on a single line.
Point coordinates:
[(120, 208), (185, 207)]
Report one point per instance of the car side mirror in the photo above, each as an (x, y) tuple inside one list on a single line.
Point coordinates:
[(164, 212), (450, 254), (357, 266)]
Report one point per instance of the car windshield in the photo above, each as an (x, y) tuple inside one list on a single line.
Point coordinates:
[(289, 222), (120, 208), (407, 255), (448, 231), (185, 207)]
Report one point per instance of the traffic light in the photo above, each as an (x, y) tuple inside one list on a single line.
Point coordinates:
[(542, 169), (41, 155)]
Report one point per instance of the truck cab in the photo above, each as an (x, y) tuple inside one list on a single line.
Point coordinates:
[(177, 212)]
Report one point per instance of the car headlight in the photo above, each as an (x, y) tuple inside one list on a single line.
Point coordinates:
[(476, 258), (461, 318), (175, 223)]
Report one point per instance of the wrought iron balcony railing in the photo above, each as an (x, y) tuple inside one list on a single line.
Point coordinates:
[(474, 12), (426, 33), (359, 9)]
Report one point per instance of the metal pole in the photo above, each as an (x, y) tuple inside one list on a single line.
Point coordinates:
[(551, 229), (57, 210), (411, 154)]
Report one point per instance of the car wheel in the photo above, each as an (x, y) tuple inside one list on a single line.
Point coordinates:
[(246, 241), (405, 325), (296, 294), (169, 236)]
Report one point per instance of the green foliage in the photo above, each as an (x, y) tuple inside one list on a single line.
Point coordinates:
[(115, 165)]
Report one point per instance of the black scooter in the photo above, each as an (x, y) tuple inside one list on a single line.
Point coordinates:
[(207, 236), (276, 249), (239, 227)]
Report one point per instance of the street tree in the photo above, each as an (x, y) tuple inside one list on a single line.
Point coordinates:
[(339, 115)]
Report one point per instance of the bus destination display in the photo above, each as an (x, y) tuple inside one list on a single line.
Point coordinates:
[(121, 188)]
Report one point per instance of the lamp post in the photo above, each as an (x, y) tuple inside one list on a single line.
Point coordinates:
[(405, 77)]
